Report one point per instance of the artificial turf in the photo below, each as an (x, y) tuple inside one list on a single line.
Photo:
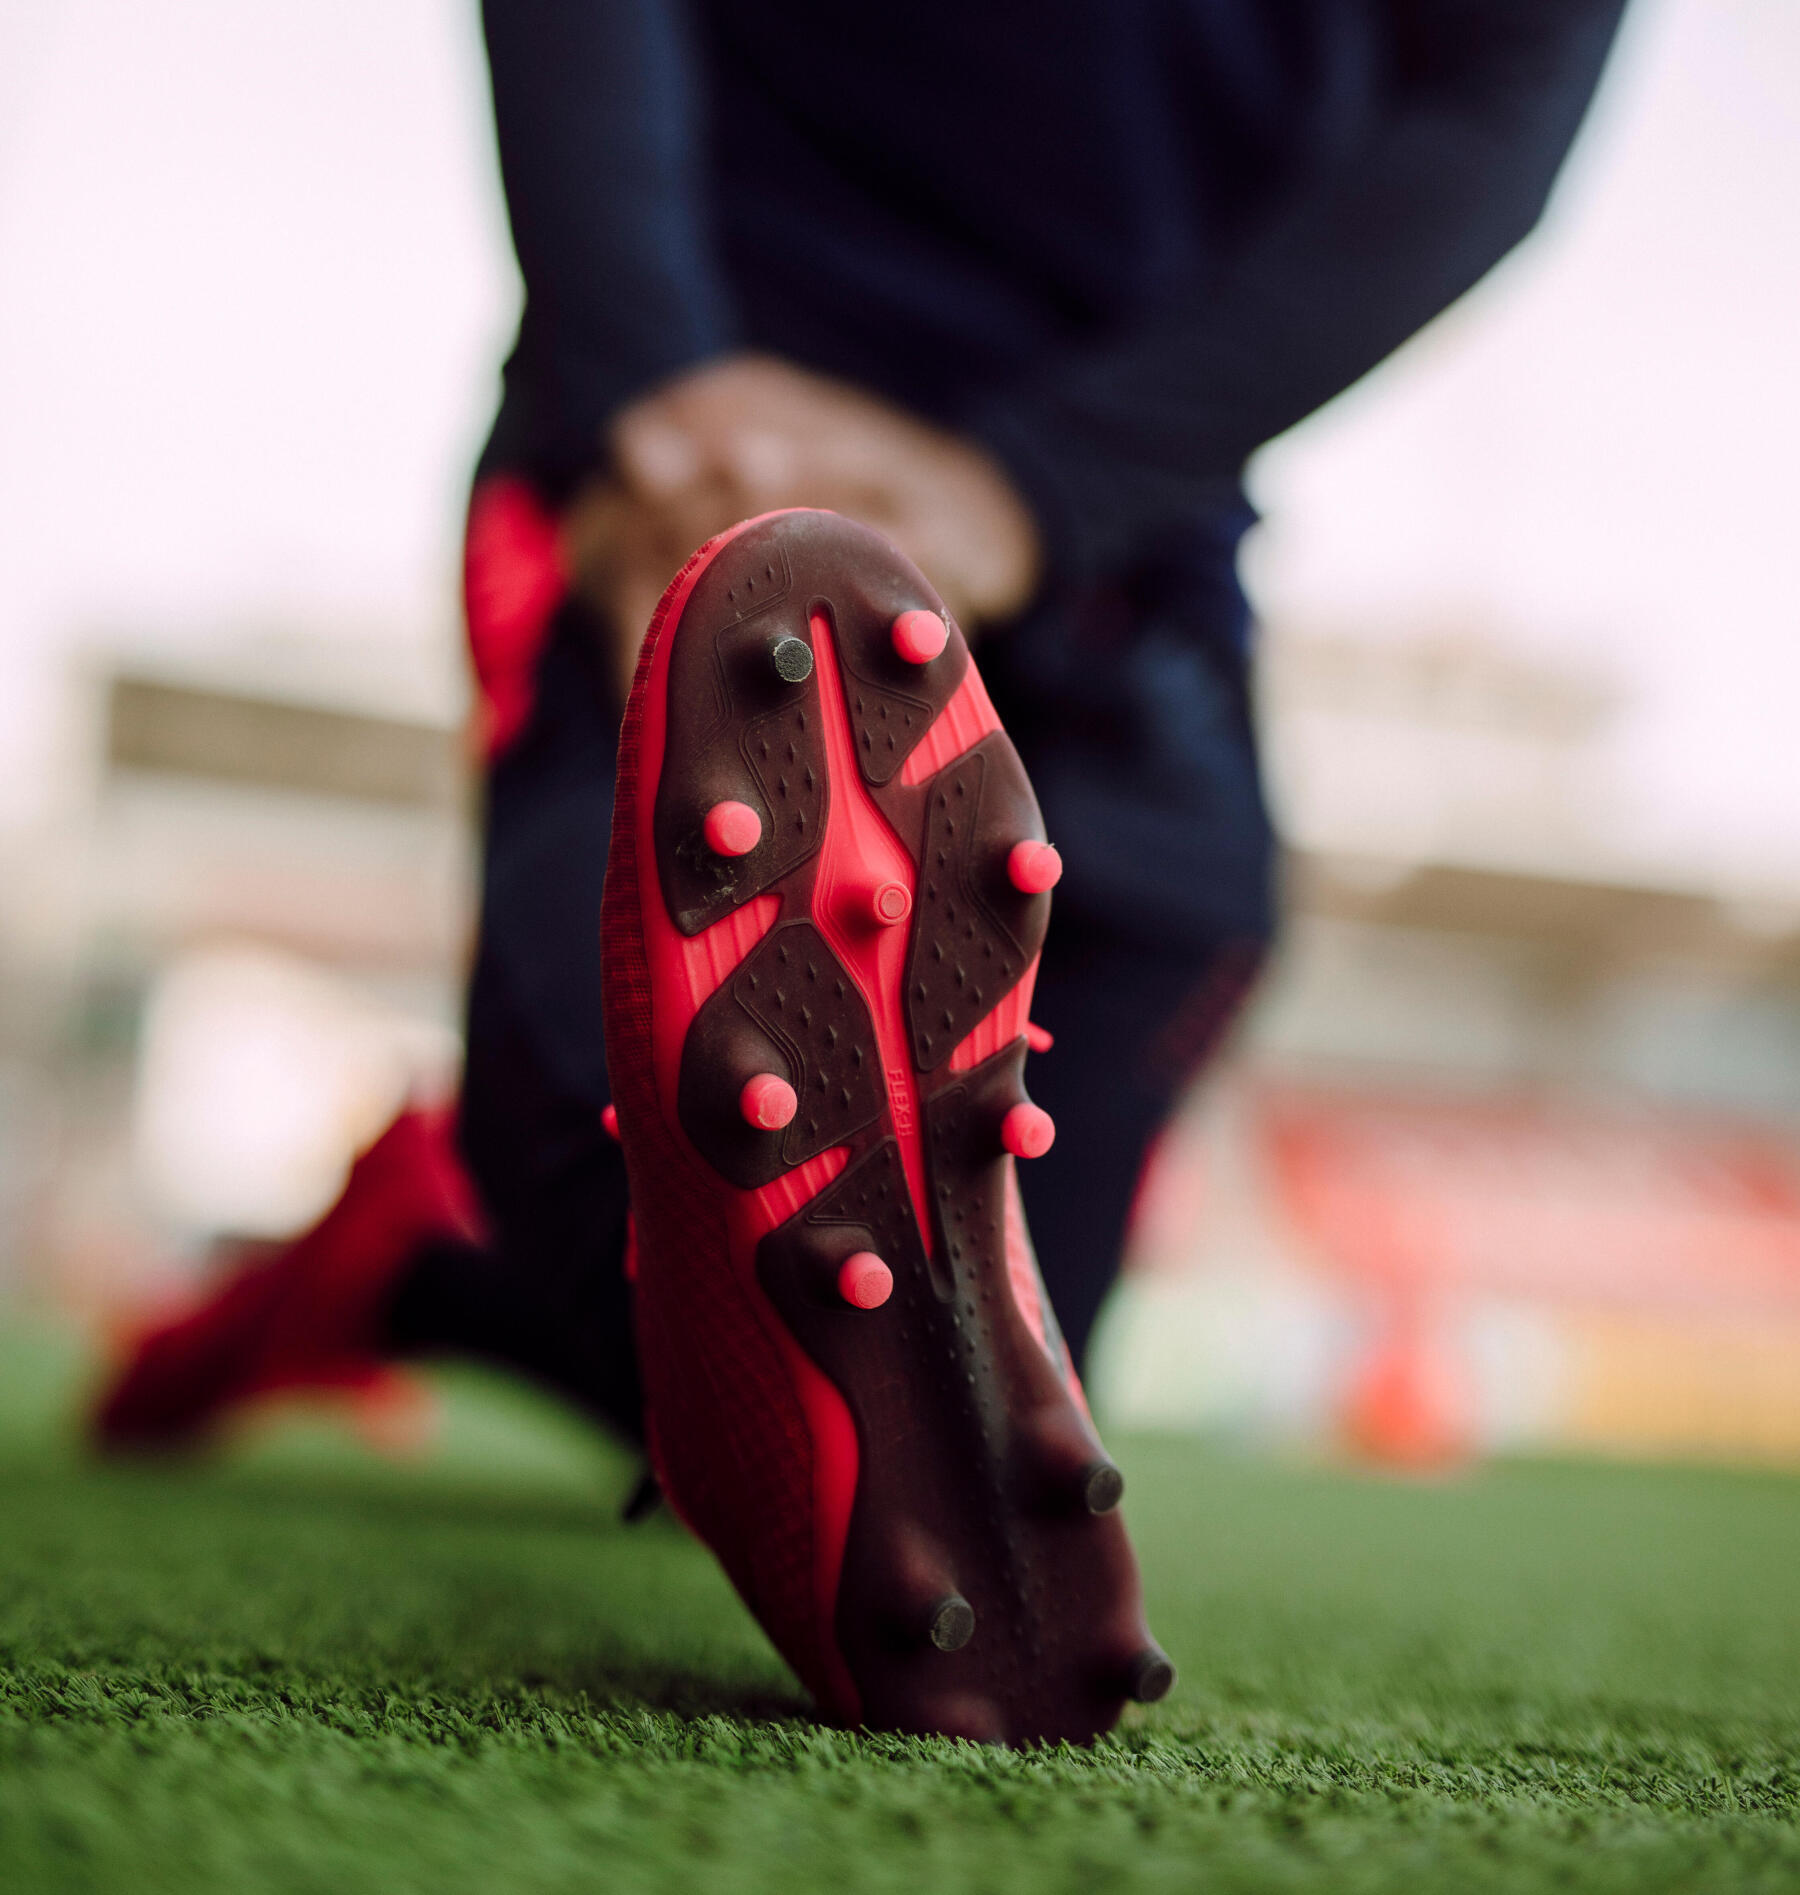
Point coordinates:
[(295, 1668)]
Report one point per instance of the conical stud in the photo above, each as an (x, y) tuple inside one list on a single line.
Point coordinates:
[(1027, 1131), (1150, 1676), (864, 1281), (768, 1102), (952, 1623), (889, 904), (732, 829), (1061, 1468), (920, 637), (1102, 1487), (1033, 868), (791, 659)]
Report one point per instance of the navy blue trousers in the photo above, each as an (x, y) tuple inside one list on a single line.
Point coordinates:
[(1130, 707)]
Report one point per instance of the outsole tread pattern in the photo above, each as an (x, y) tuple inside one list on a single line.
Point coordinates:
[(976, 933), (791, 1007), (985, 1585)]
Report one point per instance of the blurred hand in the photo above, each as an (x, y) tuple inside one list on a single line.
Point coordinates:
[(750, 433)]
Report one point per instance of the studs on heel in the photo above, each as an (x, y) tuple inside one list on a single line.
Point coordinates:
[(952, 1623), (1060, 1468), (924, 1607), (1102, 1486), (1150, 1676)]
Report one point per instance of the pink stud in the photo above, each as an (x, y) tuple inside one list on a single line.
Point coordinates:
[(609, 1122), (768, 1102), (864, 1281), (1027, 1131), (1035, 867), (732, 829), (919, 637), (1039, 1038), (890, 904)]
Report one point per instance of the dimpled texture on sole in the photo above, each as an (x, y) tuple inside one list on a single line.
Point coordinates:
[(902, 1478)]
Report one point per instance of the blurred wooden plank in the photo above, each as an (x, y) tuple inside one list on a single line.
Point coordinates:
[(1591, 920), (169, 728)]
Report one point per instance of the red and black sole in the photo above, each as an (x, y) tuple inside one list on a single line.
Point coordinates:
[(822, 936)]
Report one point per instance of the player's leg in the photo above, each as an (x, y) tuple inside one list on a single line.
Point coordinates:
[(546, 1296), (309, 1315), (1133, 1027), (524, 1267), (552, 1301), (1130, 706)]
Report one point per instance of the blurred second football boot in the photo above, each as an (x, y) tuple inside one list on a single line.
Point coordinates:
[(306, 1318)]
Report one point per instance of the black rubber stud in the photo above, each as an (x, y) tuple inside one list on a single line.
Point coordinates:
[(1151, 1676), (1102, 1487), (952, 1623), (792, 658)]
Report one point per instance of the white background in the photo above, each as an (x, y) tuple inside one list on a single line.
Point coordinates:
[(254, 286)]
